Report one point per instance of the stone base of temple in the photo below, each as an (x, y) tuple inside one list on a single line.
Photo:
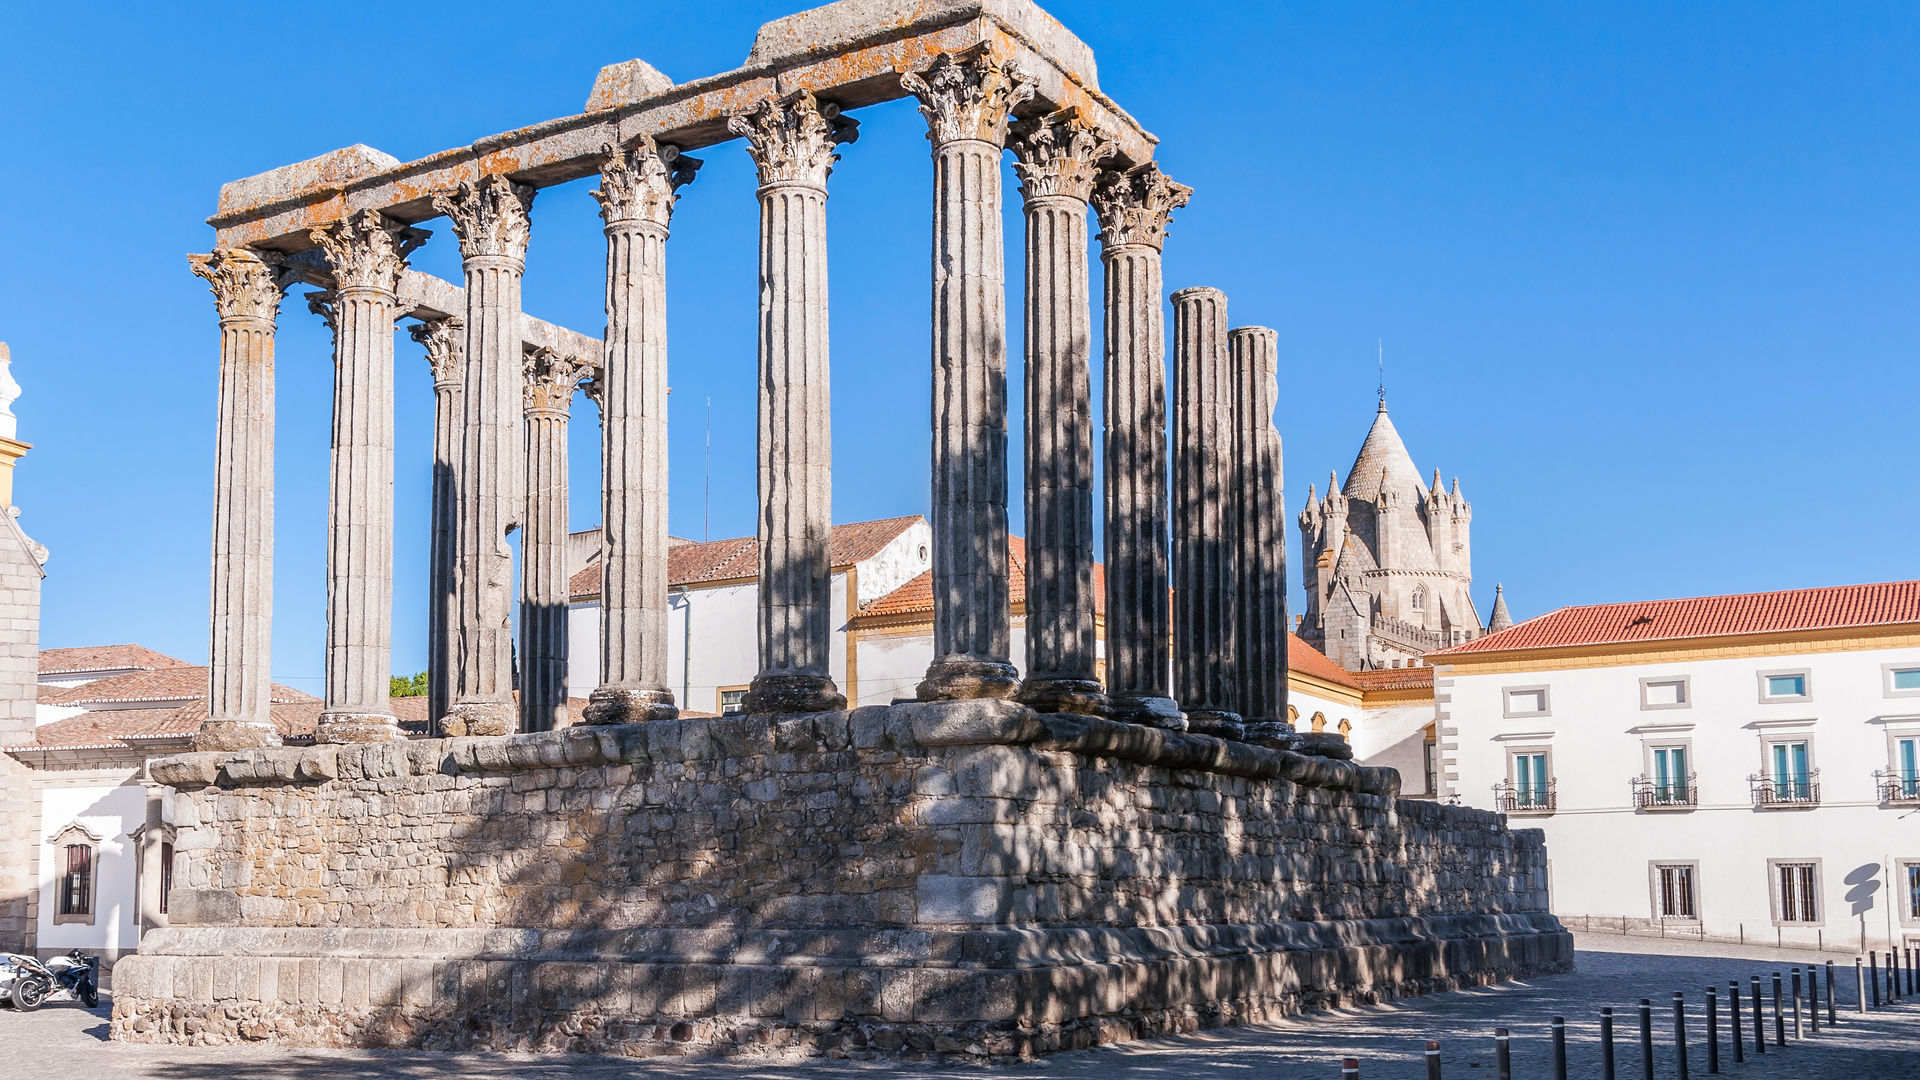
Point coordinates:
[(1219, 724), (217, 735), (966, 879), (774, 694), (342, 727), (1083, 696), (958, 678), (623, 705), (1153, 712), (479, 718)]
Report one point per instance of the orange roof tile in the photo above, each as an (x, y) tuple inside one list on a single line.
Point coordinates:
[(89, 658), (1307, 660), (1882, 604), (1406, 678), (691, 563), (183, 683), (917, 594)]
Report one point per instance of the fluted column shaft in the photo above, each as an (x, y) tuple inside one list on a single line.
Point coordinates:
[(239, 685), (791, 140), (551, 379), (1259, 504), (636, 200), (1205, 575), (443, 339), (967, 101), (490, 218)]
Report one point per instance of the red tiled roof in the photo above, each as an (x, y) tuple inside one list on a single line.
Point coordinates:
[(1307, 660), (1406, 678), (917, 595), (1883, 604), (88, 658), (690, 563), (183, 683)]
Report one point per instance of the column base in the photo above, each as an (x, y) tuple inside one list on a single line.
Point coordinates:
[(792, 693), (1148, 710), (234, 735), (1272, 734), (628, 705), (1083, 697), (955, 677), (1324, 744), (356, 727), (478, 718), (1218, 723)]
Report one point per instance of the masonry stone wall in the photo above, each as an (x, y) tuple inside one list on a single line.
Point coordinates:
[(966, 878), (19, 686)]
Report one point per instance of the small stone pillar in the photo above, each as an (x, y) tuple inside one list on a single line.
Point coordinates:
[(443, 340), (791, 140), (1204, 569), (967, 101), (490, 218), (247, 292), (1135, 206), (1057, 160), (1260, 513), (636, 197), (551, 379), (367, 256)]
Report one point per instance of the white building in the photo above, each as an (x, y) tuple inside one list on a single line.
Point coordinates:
[(1733, 767)]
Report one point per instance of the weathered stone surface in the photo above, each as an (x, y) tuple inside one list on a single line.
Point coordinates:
[(1205, 568), (552, 378), (834, 27), (444, 339), (329, 169), (625, 83), (1260, 541)]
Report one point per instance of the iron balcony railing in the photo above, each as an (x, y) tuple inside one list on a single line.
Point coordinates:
[(1897, 787), (1665, 794), (1782, 791), (1524, 800)]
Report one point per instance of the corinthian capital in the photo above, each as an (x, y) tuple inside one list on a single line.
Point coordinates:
[(366, 251), (639, 184), (969, 96), (1058, 154), (792, 138), (551, 379), (444, 341), (245, 284), (1136, 204), (489, 217), (322, 304)]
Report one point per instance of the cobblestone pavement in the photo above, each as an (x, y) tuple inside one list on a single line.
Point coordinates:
[(64, 1043)]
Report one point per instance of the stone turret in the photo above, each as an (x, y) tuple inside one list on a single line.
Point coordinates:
[(1501, 617)]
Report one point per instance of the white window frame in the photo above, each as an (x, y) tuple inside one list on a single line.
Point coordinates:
[(1654, 867), (1686, 692), (1514, 754), (1806, 686), (1886, 679), (1819, 885), (1895, 736), (1506, 700), (1651, 744), (1903, 893), (77, 835)]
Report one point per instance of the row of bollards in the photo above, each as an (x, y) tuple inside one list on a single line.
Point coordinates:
[(1799, 991)]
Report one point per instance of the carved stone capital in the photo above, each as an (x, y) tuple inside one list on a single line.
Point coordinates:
[(445, 342), (245, 284), (638, 184), (969, 96), (1058, 154), (551, 379), (366, 251), (489, 217), (791, 138), (1136, 204), (322, 304)]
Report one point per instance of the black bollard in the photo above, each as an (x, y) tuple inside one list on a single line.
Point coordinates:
[(1893, 984), (1759, 1019), (1779, 1018), (1503, 1061), (1813, 997), (1350, 1069), (1646, 1039), (1797, 1033), (1713, 1031), (1833, 1015), (1433, 1061), (1559, 1048), (1910, 987), (1734, 1027), (1680, 1034), (1606, 1042), (1873, 976)]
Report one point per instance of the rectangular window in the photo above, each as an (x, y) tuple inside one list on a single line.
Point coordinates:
[(1663, 693), (1906, 767), (1791, 778), (1797, 897), (732, 701), (1527, 701), (1906, 678), (76, 884), (1675, 890), (1913, 891), (1670, 774), (1783, 685), (1530, 781), (166, 874)]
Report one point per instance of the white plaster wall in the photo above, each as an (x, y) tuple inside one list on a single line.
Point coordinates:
[(110, 809), (1395, 737), (583, 648), (1599, 847), (904, 558)]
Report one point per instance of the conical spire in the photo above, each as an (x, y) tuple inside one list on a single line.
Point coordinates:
[(1501, 617), (1382, 454)]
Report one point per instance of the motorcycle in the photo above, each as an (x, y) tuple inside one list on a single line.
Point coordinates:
[(30, 983)]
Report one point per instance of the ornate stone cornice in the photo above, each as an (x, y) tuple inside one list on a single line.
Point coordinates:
[(489, 217), (245, 284), (366, 251), (1136, 204), (551, 379), (791, 138), (638, 184), (445, 341), (969, 96), (321, 303), (1058, 154)]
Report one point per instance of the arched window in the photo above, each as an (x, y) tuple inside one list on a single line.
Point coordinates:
[(1419, 598), (76, 882)]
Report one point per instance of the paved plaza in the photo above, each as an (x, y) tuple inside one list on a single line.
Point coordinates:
[(64, 1043)]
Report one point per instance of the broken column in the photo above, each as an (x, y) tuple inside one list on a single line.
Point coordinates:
[(1135, 206), (967, 101), (1260, 553), (1204, 571), (551, 379), (442, 339), (791, 140), (490, 217), (247, 291)]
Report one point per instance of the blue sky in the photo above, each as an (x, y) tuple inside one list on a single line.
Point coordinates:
[(1645, 272)]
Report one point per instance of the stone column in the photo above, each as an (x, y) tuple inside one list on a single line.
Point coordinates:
[(791, 139), (967, 102), (1135, 206), (247, 292), (1204, 572), (490, 217), (551, 379), (1057, 156), (1260, 512), (443, 339), (636, 196), (367, 256)]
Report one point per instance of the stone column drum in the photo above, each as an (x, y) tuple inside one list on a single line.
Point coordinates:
[(1057, 159), (1204, 570), (367, 255), (1135, 206), (1260, 514), (490, 217), (967, 102), (247, 291), (791, 139), (636, 197), (551, 379), (443, 340)]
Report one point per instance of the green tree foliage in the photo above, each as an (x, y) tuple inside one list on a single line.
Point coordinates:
[(403, 686)]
